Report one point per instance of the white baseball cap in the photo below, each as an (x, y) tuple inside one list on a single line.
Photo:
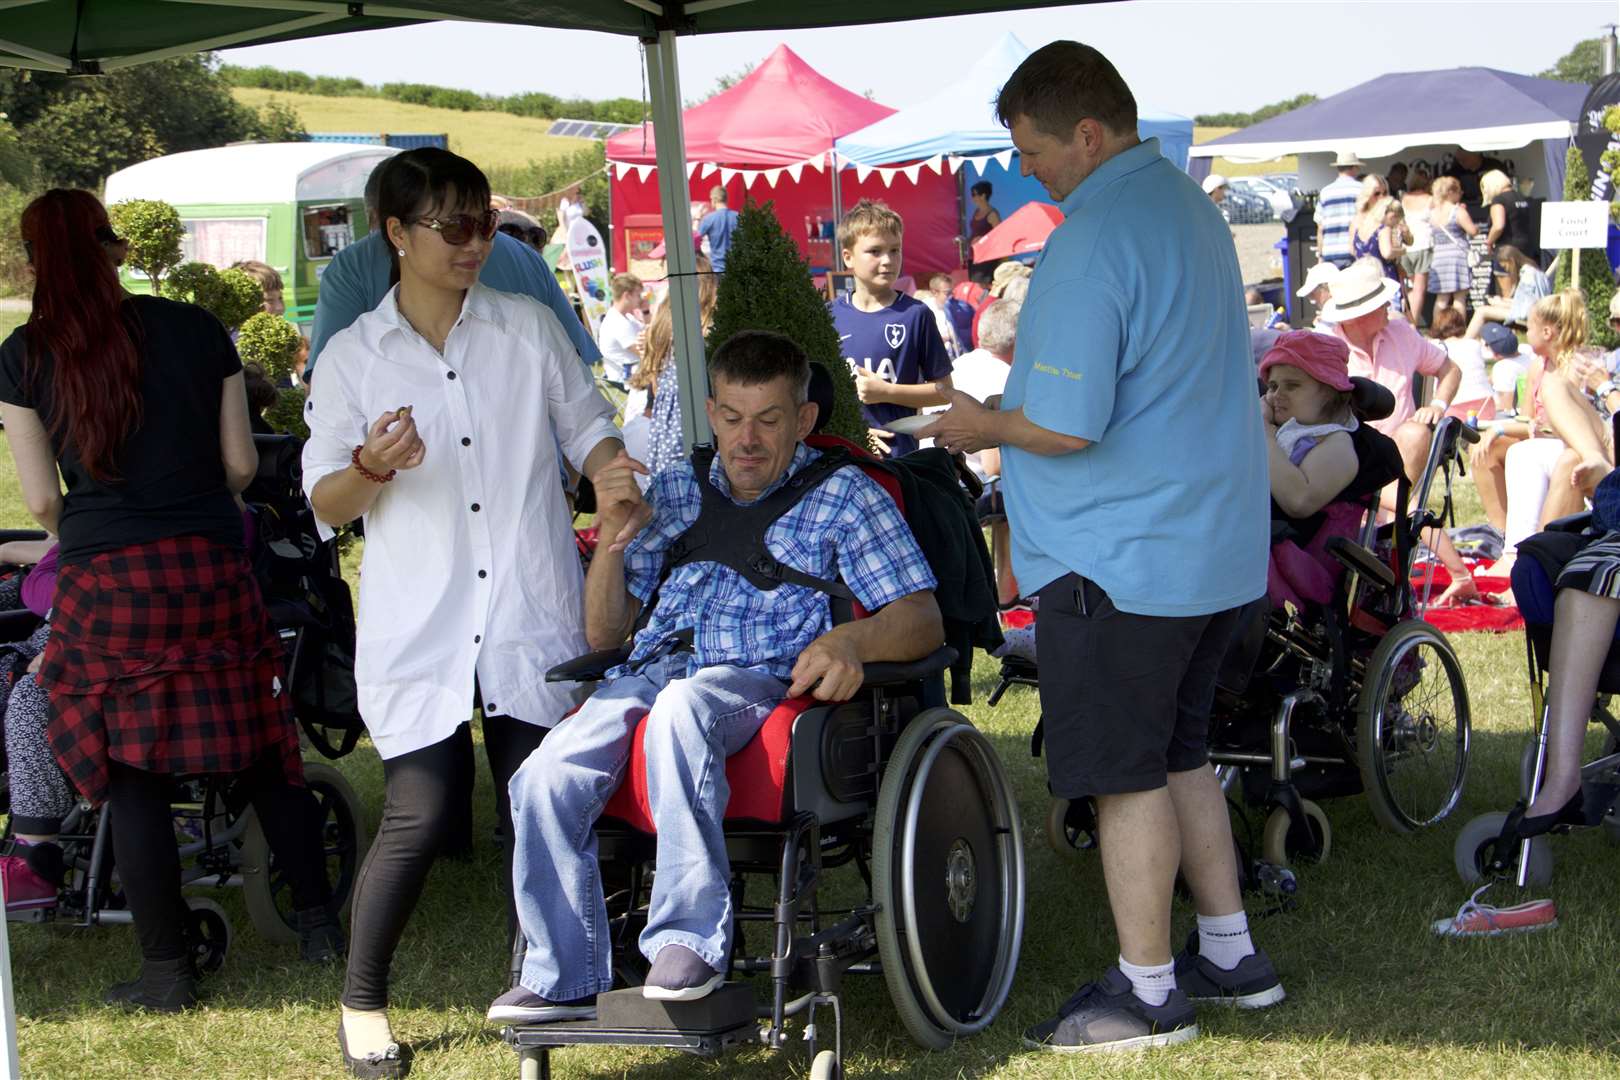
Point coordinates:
[(1316, 277), (1212, 181)]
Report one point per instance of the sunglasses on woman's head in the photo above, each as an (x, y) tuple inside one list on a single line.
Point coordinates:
[(458, 229)]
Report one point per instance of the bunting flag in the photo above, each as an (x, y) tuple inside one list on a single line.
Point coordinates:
[(707, 171), (1004, 159), (643, 171), (934, 164), (862, 172), (748, 176), (691, 167), (954, 163), (772, 176), (887, 176), (726, 175), (912, 172), (796, 170)]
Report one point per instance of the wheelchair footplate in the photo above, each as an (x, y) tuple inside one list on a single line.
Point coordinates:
[(727, 1017)]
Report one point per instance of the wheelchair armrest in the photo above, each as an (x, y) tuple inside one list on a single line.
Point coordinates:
[(9, 535), (1572, 523), (897, 672), (1357, 558), (591, 667)]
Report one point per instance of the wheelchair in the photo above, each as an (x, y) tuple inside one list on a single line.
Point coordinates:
[(1483, 851), (892, 782), (220, 840), (1358, 695)]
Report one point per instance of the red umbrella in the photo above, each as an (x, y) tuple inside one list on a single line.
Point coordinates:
[(1025, 230)]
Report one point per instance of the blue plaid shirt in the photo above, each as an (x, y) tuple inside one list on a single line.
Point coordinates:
[(848, 528)]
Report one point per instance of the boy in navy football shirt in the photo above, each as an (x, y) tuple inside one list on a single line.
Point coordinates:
[(890, 340)]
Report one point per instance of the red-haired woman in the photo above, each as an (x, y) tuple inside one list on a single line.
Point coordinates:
[(161, 660)]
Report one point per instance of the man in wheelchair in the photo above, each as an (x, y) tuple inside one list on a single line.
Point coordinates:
[(737, 555)]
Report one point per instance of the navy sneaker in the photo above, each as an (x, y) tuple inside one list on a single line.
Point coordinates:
[(1106, 1015), (520, 1005), (1253, 984)]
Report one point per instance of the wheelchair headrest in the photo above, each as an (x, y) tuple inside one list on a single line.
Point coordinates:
[(1369, 400), (821, 392)]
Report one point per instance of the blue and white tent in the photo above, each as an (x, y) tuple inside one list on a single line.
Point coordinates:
[(960, 121)]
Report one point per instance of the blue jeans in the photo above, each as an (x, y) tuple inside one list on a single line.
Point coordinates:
[(559, 792)]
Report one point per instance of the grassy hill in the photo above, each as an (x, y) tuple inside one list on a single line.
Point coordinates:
[(491, 139), (1203, 134)]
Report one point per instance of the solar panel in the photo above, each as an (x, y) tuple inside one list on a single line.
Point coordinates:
[(585, 129)]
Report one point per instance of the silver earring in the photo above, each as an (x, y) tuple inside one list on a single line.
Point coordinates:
[(402, 253)]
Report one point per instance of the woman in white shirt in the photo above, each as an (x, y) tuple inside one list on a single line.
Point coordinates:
[(437, 419)]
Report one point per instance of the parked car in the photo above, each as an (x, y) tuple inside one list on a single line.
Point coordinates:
[(1287, 181), (1244, 207), (1279, 199)]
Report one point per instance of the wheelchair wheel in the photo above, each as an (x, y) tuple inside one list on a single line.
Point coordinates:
[(947, 879), (1071, 830), (1274, 843), (1471, 853), (1413, 728), (826, 1067), (265, 889), (210, 934)]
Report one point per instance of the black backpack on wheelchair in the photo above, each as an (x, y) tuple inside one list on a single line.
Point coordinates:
[(308, 601)]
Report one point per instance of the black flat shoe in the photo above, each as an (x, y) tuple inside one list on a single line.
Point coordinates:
[(166, 986), (388, 1065), (1571, 813)]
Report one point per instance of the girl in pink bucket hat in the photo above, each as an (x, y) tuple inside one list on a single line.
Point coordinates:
[(1313, 460)]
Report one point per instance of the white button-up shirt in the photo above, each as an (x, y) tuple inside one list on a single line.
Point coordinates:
[(469, 565)]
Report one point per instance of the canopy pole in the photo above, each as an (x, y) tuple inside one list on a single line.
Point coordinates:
[(691, 364), (837, 209)]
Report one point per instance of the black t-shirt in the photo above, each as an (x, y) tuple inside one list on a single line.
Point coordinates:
[(171, 478), (1523, 227)]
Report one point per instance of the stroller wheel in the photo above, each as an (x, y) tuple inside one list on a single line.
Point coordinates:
[(266, 891), (1472, 853), (1071, 830), (1277, 848), (210, 934), (1412, 728)]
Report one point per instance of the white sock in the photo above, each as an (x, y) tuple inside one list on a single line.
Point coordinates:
[(1152, 984), (1223, 940), (366, 1031)]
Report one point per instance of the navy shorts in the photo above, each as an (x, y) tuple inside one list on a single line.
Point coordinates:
[(1125, 698)]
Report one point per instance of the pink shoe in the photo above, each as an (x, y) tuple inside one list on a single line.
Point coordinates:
[(1474, 919), (25, 889)]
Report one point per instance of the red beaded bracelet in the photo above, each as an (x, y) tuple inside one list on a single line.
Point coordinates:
[(354, 459)]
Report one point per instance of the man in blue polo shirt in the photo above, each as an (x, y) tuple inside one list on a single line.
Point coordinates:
[(1134, 471), (356, 281)]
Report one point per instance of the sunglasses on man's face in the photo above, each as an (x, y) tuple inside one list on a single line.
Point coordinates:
[(459, 229)]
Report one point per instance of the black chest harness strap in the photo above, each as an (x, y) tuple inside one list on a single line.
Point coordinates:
[(734, 536)]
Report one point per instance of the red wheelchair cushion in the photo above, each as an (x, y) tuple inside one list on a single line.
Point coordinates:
[(757, 773)]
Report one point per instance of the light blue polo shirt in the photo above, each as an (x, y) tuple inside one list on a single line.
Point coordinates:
[(1134, 337), (356, 281)]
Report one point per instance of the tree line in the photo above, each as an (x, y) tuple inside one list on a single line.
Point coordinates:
[(532, 104)]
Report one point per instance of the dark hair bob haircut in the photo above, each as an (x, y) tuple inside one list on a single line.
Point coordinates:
[(417, 181)]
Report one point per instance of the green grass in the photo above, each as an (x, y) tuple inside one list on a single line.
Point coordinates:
[(492, 139), (1371, 992)]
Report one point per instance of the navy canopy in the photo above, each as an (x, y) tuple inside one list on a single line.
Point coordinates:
[(1475, 108)]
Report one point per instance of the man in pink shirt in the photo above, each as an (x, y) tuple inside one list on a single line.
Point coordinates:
[(1390, 352)]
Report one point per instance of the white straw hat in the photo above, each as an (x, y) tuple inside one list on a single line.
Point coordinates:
[(1357, 289)]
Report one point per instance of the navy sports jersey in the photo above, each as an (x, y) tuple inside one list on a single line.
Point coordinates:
[(900, 343)]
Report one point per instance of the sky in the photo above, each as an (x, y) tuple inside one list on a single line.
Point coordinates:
[(1181, 56)]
